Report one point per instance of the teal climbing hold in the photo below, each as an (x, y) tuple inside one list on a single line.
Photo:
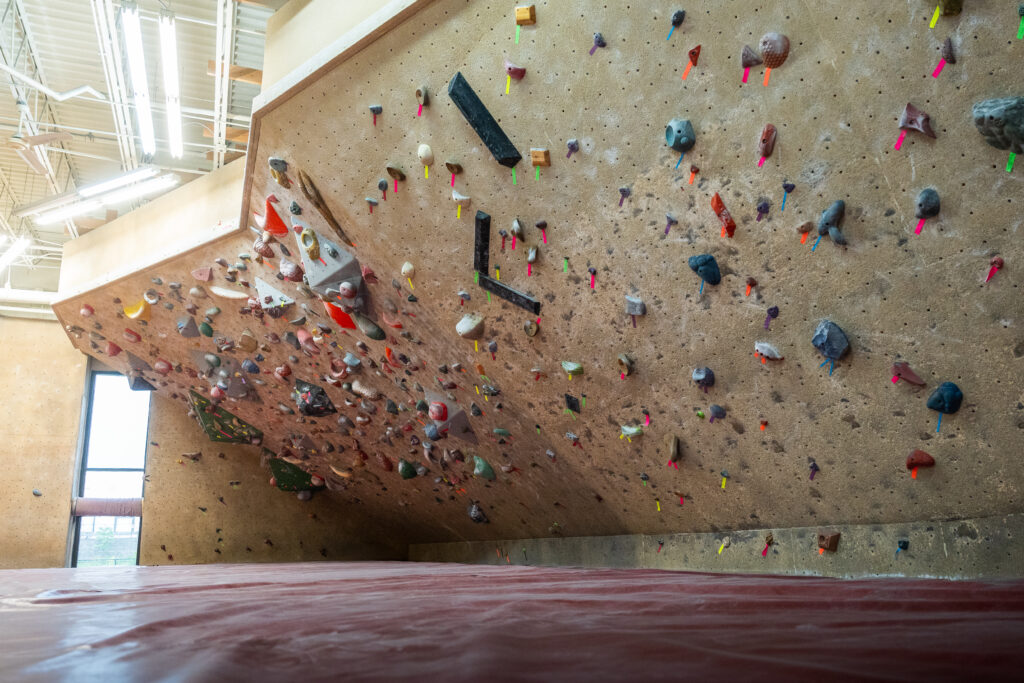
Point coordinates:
[(482, 469), (406, 469)]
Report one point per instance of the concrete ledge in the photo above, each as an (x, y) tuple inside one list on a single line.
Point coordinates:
[(989, 547)]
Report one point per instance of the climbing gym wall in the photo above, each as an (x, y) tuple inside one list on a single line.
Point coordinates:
[(44, 379), (541, 242), (207, 502)]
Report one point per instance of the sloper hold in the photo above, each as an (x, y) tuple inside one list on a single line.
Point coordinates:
[(1001, 122), (704, 378), (480, 119), (481, 468), (774, 49), (946, 398), (706, 268), (830, 340), (187, 327), (927, 204), (919, 458), (679, 135)]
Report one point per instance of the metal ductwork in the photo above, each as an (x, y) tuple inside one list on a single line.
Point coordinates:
[(27, 303)]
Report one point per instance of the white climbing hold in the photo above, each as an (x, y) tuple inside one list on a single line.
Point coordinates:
[(767, 350)]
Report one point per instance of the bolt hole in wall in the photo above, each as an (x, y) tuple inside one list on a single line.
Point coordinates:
[(107, 513)]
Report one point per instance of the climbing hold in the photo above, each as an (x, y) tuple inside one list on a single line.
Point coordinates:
[(718, 206), (831, 341), (571, 368), (766, 142), (901, 370), (482, 469), (139, 311), (749, 58), (197, 292), (438, 411), (471, 326), (927, 204), (368, 327), (540, 157), (312, 400), (270, 221), (573, 146), (406, 469), (395, 172), (766, 350), (626, 364), (250, 367), (951, 7), (514, 71), (694, 55), (162, 367), (675, 448), (679, 135), (704, 377), (86, 311), (946, 51), (1001, 122), (460, 199), (829, 542), (262, 248), (773, 313), (425, 155), (530, 328), (632, 431), (187, 327), (774, 49), (763, 207), (290, 271), (294, 208), (670, 220), (624, 193), (946, 398), (599, 41), (919, 458), (706, 268), (476, 513), (635, 306), (717, 412), (423, 96), (913, 118), (376, 110), (112, 349)]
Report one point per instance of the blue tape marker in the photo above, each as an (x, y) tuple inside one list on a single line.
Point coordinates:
[(816, 243), (680, 159), (784, 195)]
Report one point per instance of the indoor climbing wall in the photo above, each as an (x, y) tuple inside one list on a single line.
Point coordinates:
[(618, 270)]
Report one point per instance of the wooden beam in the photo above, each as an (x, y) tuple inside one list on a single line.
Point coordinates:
[(229, 156), (237, 135), (237, 73)]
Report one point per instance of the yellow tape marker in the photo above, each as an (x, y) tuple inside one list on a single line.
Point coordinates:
[(935, 18), (723, 482), (721, 548), (410, 282), (508, 79)]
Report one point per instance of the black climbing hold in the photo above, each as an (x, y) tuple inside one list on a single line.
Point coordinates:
[(406, 469), (312, 400), (474, 410), (706, 267), (572, 403), (391, 407), (250, 367), (773, 312), (927, 204), (290, 338), (946, 398), (763, 206), (704, 377), (412, 298), (830, 339), (678, 17), (832, 217), (476, 514), (482, 122), (788, 187), (717, 412), (294, 208)]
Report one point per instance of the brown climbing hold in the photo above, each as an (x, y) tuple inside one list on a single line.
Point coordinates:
[(718, 206), (749, 58), (805, 227), (204, 274), (766, 143), (774, 49), (916, 119), (829, 542), (919, 458), (675, 449), (947, 51), (901, 370), (694, 55)]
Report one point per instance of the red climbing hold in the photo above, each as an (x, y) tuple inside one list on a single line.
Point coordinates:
[(113, 349), (270, 221), (694, 54), (718, 206), (339, 316), (438, 411), (919, 458)]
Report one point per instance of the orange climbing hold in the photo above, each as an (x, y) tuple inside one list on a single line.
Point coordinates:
[(339, 316), (139, 311)]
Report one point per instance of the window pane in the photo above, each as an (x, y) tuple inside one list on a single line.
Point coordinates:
[(117, 424), (113, 484), (108, 541)]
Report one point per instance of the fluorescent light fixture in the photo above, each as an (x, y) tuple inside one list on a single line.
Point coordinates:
[(120, 181), (15, 250), (3, 240), (169, 62), (137, 66), (140, 189), (65, 212)]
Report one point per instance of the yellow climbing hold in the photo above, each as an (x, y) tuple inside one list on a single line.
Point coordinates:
[(139, 311)]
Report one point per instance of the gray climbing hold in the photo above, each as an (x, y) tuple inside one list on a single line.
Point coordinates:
[(927, 204), (278, 164), (635, 305), (679, 135), (830, 340), (704, 378), (476, 514), (36, 492), (706, 267), (717, 412), (431, 432), (832, 217)]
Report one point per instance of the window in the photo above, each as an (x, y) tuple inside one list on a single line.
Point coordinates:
[(113, 467)]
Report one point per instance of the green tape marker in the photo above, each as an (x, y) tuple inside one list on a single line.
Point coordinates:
[(513, 176), (1009, 162), (517, 33), (537, 175)]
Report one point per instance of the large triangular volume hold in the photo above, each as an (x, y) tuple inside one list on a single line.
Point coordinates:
[(270, 296), (220, 425), (327, 266)]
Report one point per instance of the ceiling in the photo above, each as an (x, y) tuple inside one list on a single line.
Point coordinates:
[(64, 45)]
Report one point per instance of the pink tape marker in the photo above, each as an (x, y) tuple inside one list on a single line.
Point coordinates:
[(938, 69), (513, 242), (760, 163), (419, 112), (544, 235), (899, 143), (680, 497), (746, 74), (453, 180), (920, 224), (529, 269), (396, 185), (895, 379), (622, 376)]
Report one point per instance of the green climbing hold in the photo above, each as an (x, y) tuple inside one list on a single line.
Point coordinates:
[(289, 477), (212, 360), (391, 407), (406, 469), (368, 327), (482, 469), (572, 368), (220, 425), (632, 432), (498, 431), (421, 406), (205, 329), (239, 266)]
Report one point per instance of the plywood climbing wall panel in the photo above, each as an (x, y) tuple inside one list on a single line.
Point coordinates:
[(835, 102)]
